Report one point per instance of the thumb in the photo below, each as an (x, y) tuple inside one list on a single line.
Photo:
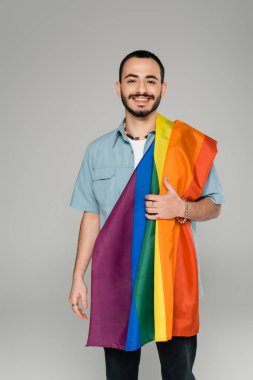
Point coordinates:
[(84, 301), (168, 185)]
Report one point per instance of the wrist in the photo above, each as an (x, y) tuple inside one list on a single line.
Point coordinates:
[(181, 208), (183, 219), (77, 276)]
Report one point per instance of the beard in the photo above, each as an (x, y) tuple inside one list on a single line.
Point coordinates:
[(141, 112)]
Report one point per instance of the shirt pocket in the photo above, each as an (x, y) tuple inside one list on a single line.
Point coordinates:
[(104, 186), (123, 175)]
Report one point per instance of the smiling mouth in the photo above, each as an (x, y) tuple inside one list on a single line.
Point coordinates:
[(141, 99)]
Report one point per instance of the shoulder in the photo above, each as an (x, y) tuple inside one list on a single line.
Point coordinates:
[(101, 142), (186, 129)]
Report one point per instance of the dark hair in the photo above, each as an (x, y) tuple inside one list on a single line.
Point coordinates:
[(142, 54)]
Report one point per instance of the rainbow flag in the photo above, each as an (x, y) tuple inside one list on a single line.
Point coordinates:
[(144, 274)]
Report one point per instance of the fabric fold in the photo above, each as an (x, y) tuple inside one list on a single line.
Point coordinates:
[(144, 274)]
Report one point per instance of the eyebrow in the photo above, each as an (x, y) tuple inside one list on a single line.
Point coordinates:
[(137, 76)]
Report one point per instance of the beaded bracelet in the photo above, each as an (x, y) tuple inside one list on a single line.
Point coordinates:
[(182, 221)]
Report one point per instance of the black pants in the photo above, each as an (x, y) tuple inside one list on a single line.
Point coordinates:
[(176, 358)]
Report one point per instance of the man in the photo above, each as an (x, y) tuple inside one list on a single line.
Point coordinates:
[(108, 163)]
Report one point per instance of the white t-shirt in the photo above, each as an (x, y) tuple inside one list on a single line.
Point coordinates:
[(138, 148)]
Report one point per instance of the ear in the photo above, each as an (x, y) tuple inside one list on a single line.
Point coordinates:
[(118, 87), (164, 88)]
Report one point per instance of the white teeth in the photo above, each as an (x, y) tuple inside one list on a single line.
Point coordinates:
[(141, 99)]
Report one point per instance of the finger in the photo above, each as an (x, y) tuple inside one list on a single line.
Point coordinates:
[(84, 301), (151, 217), (78, 311), (154, 209), (151, 197), (74, 300), (151, 203), (168, 185)]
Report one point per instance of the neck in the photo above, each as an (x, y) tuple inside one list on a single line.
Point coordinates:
[(140, 126)]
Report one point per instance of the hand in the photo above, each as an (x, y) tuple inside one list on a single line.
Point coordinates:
[(166, 206), (78, 291)]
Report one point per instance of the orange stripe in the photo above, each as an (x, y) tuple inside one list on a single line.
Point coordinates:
[(186, 292), (187, 147), (202, 168)]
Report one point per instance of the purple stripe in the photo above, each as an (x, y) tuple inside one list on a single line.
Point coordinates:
[(111, 274)]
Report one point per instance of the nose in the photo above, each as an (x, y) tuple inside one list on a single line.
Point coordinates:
[(141, 87)]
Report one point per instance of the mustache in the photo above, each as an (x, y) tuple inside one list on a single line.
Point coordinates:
[(142, 95)]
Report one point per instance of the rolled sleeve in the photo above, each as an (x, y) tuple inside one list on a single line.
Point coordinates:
[(213, 188), (83, 196)]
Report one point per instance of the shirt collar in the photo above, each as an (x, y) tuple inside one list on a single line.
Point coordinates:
[(120, 130)]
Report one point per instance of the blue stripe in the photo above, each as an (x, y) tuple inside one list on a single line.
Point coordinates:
[(142, 187)]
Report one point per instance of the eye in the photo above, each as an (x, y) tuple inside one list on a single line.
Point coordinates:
[(130, 80), (151, 81)]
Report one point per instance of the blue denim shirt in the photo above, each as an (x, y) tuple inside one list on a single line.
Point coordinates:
[(107, 165)]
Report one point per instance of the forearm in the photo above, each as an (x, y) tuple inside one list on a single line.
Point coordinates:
[(89, 229), (201, 210)]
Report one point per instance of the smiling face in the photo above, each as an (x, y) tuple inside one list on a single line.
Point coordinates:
[(141, 89)]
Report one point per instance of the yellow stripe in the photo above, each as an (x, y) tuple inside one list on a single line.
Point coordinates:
[(163, 133)]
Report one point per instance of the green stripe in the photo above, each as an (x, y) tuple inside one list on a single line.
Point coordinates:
[(144, 284)]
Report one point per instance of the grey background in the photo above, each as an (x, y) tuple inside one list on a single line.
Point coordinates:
[(59, 63)]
